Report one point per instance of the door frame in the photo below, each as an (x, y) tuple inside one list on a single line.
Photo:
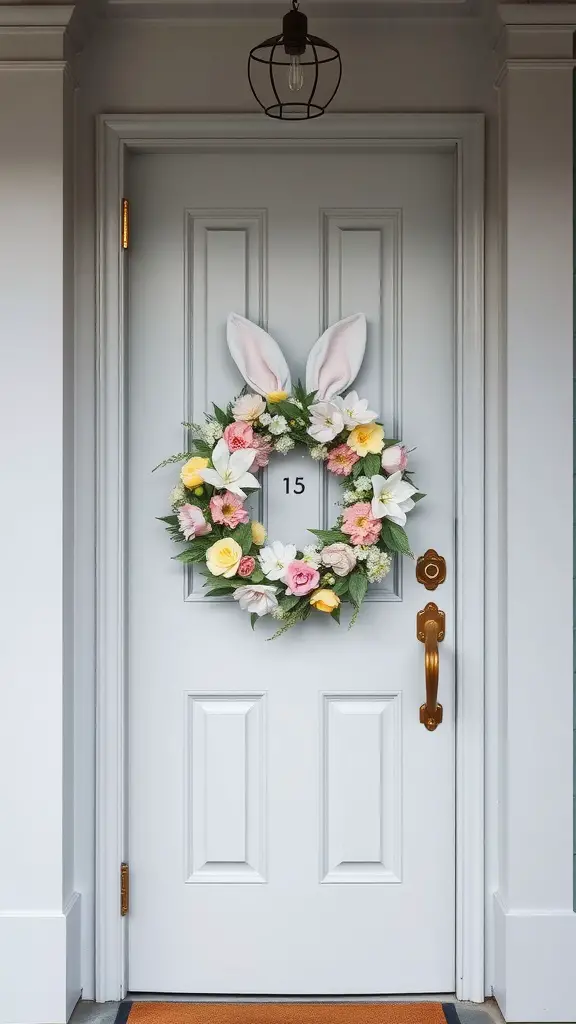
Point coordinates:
[(118, 136)]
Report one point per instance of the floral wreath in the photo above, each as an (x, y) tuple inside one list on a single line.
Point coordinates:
[(234, 444)]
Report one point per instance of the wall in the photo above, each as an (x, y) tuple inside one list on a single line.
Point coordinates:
[(392, 65)]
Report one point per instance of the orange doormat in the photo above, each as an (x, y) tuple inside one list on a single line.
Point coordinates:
[(286, 1013)]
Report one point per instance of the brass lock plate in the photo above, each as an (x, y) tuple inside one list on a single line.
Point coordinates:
[(431, 611), (431, 569)]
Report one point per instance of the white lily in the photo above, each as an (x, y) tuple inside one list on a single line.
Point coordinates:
[(354, 410), (275, 559), (392, 498), (256, 598), (326, 421), (230, 472)]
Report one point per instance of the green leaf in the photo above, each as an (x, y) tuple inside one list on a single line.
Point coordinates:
[(418, 496), (220, 415), (372, 466), (357, 469), (395, 538), (219, 591), (287, 409), (336, 614), (357, 587), (243, 535), (289, 602), (202, 448), (341, 585), (331, 536), (197, 553), (171, 520), (389, 441), (257, 576), (253, 619)]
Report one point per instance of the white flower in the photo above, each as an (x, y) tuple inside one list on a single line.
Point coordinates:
[(378, 565), (278, 425), (363, 485), (265, 419), (256, 599), (312, 556), (354, 410), (284, 444), (319, 452), (339, 557), (394, 458), (248, 408), (392, 498), (212, 432), (363, 552), (326, 421), (230, 471), (178, 496), (349, 498), (275, 559)]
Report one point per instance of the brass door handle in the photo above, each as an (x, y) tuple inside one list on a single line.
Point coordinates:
[(430, 628)]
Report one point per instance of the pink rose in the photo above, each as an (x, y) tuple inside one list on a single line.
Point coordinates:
[(341, 459), (395, 458), (263, 448), (301, 578), (192, 522), (360, 525), (239, 435), (246, 566), (228, 509)]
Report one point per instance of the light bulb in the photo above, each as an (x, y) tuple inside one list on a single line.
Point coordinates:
[(295, 74)]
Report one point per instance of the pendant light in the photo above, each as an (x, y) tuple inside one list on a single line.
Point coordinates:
[(294, 75)]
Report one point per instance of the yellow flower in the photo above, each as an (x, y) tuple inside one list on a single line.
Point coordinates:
[(258, 533), (276, 396), (223, 557), (365, 438), (189, 474), (324, 600)]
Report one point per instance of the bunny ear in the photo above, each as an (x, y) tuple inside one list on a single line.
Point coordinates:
[(336, 357), (257, 356)]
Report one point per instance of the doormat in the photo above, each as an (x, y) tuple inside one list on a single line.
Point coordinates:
[(286, 1013)]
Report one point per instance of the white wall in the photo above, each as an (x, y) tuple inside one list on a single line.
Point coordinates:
[(200, 66)]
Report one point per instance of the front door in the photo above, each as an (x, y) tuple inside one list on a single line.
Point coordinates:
[(291, 822)]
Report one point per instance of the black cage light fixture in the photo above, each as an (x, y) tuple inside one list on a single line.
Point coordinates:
[(294, 76)]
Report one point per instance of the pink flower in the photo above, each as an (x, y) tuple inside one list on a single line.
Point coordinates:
[(228, 509), (300, 578), (395, 458), (360, 525), (263, 448), (239, 435), (192, 522), (341, 460), (246, 566)]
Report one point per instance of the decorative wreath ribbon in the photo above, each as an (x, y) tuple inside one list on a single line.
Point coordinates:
[(271, 416)]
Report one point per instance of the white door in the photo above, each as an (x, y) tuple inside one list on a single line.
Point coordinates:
[(291, 822)]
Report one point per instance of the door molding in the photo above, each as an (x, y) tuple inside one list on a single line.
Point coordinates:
[(118, 136)]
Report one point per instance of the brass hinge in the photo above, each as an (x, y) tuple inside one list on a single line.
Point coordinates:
[(124, 889), (125, 232)]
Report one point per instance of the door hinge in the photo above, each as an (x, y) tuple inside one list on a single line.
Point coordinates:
[(124, 889), (125, 229)]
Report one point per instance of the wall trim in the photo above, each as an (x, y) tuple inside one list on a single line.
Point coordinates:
[(118, 136)]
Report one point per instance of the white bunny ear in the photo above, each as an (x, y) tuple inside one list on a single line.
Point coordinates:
[(257, 356), (336, 357)]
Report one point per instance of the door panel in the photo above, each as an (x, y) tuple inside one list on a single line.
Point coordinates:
[(291, 821)]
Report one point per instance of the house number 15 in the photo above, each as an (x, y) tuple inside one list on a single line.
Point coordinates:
[(298, 487)]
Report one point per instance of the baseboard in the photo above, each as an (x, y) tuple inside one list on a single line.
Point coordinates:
[(40, 957), (535, 953)]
